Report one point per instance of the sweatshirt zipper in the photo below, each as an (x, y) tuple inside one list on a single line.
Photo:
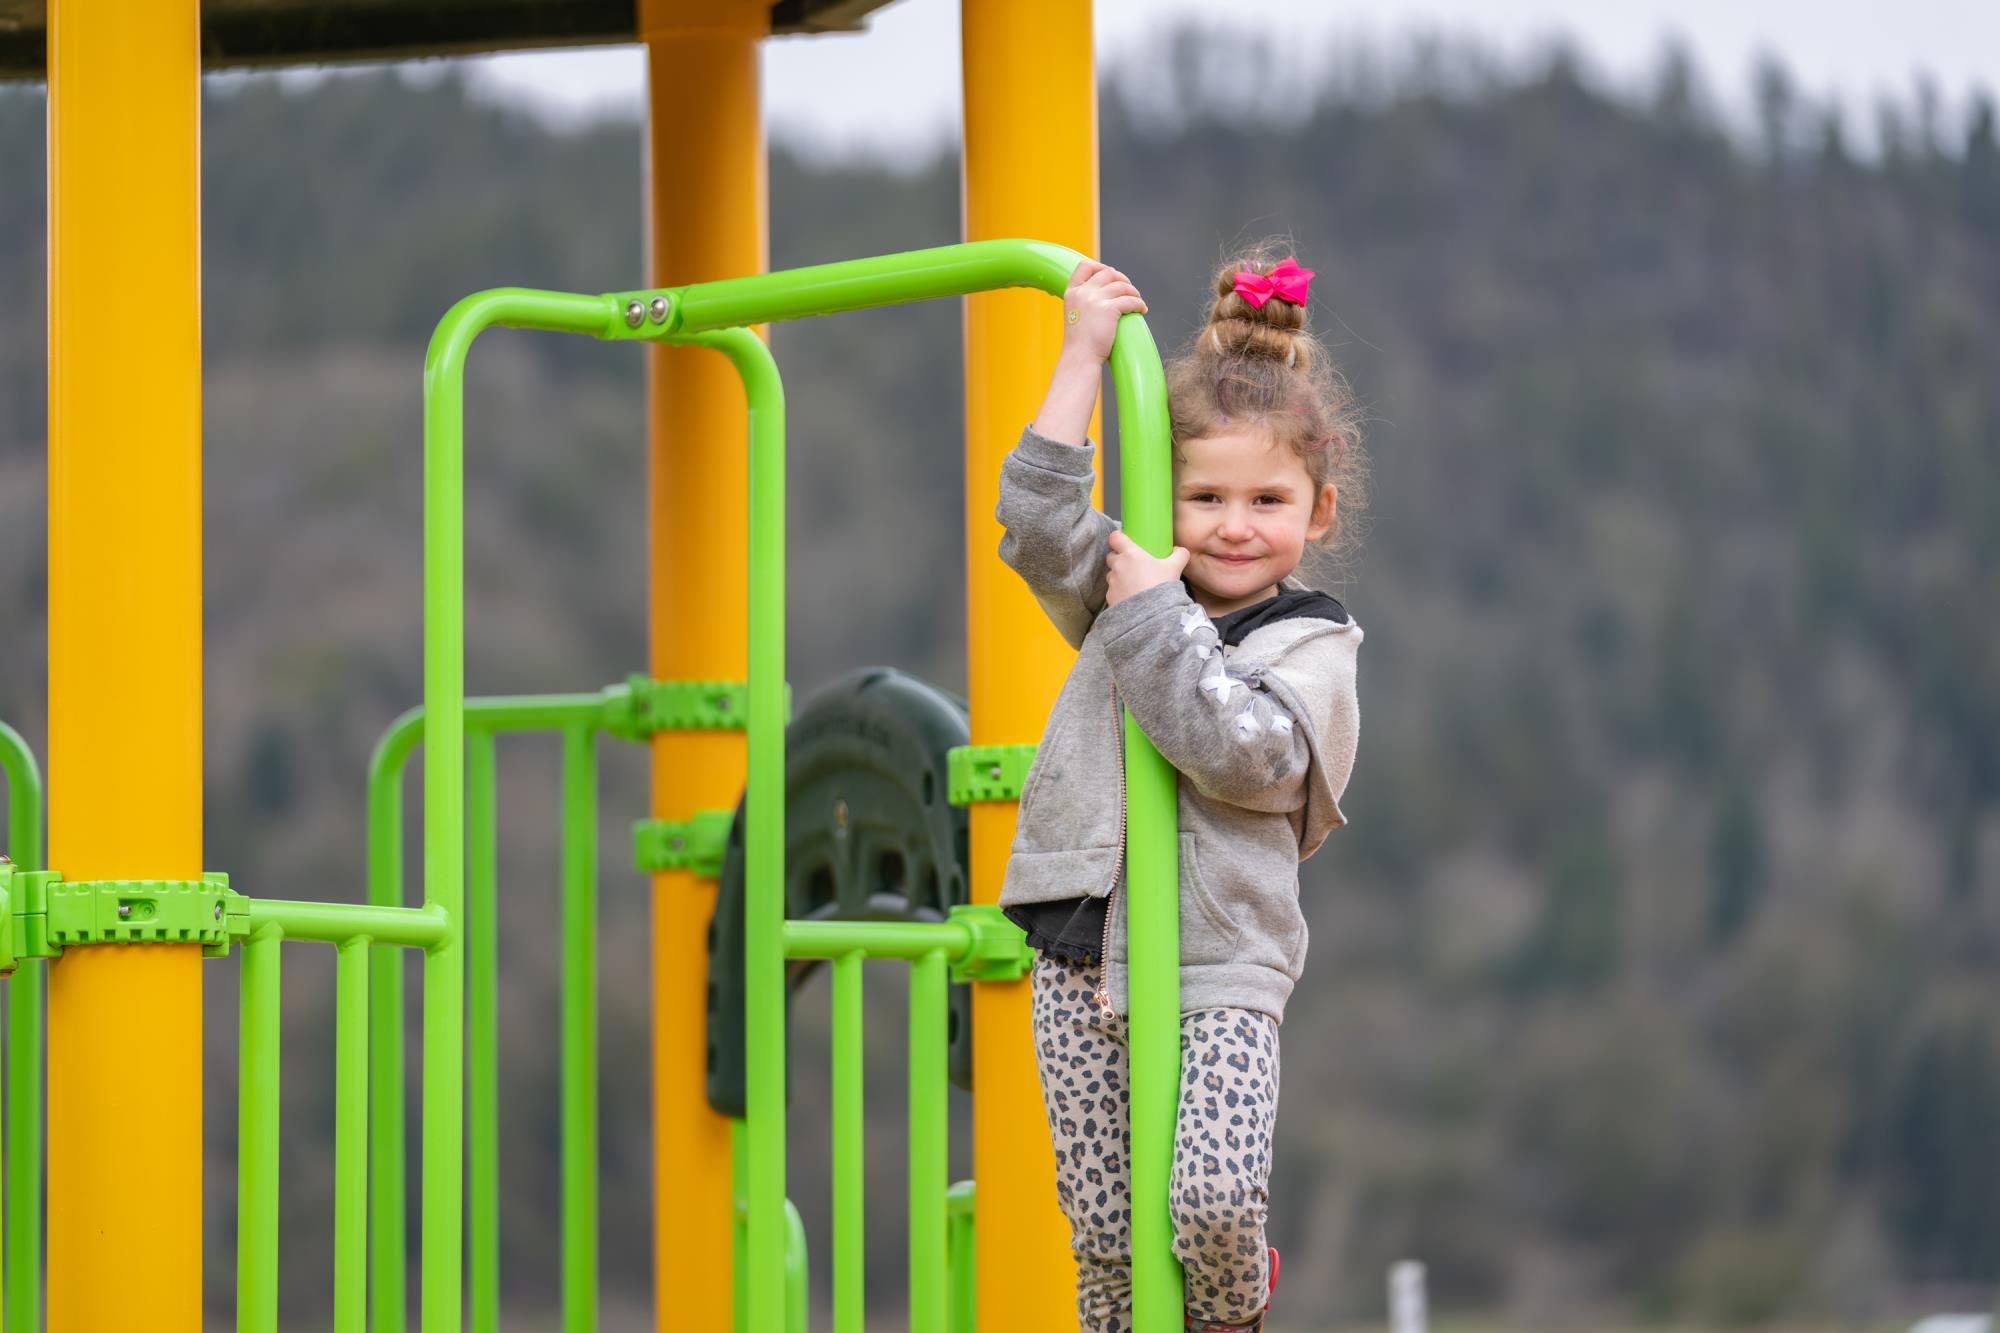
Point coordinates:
[(1103, 996)]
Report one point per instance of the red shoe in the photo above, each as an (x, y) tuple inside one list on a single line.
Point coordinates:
[(1212, 1326)]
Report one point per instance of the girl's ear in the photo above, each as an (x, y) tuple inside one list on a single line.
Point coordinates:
[(1325, 505)]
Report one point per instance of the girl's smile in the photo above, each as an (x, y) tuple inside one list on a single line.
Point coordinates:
[(1244, 507)]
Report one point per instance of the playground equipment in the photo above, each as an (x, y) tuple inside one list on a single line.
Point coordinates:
[(126, 805), (454, 926)]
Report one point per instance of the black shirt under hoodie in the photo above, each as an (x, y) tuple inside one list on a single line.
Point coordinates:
[(1073, 928)]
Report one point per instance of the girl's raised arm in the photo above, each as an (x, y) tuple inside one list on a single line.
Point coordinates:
[(1055, 539)]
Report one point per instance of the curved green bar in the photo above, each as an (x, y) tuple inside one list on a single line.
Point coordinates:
[(444, 758), (865, 284), (21, 1274), (387, 1291)]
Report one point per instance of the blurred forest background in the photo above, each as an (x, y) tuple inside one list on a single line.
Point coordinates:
[(1655, 978)]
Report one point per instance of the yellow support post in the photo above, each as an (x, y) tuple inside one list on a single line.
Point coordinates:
[(1030, 170), (708, 219), (125, 653)]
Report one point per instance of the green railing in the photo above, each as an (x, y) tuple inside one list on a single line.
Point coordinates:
[(578, 719), (21, 1209), (715, 315), (352, 928)]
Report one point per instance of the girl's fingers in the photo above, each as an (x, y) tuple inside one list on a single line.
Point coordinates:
[(1120, 542)]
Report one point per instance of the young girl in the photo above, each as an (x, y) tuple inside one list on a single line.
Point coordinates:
[(1244, 680)]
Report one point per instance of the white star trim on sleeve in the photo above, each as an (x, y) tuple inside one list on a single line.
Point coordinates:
[(1247, 725), (1281, 724), (1220, 684), (1193, 620)]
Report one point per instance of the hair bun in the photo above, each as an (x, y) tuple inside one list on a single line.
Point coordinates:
[(1275, 330)]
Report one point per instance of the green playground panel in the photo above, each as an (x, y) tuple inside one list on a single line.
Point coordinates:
[(716, 315), (42, 913), (457, 937)]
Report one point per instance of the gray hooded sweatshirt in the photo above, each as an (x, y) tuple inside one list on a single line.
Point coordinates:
[(1262, 735)]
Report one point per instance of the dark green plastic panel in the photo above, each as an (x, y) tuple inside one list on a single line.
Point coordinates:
[(870, 835)]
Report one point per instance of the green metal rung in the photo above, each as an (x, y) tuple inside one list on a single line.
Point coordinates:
[(987, 772), (999, 949), (683, 844), (643, 707)]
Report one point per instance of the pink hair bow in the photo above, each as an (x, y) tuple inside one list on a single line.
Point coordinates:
[(1287, 282)]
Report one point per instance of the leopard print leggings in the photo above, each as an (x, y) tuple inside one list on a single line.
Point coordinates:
[(1222, 1148)]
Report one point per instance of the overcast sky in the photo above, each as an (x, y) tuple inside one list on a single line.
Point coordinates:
[(895, 89)]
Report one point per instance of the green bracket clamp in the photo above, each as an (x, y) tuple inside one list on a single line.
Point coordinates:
[(999, 950), (643, 707), (987, 772), (44, 914), (695, 844)]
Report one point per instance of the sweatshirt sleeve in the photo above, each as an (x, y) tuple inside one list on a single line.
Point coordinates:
[(1055, 540), (1222, 729)]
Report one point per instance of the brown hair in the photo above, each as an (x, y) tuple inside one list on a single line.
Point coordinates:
[(1258, 366)]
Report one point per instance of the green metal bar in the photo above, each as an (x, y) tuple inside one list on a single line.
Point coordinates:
[(336, 923), (1152, 898), (533, 712), (879, 280), (850, 1218), (907, 940), (579, 1028), (444, 742), (21, 1211), (388, 1260), (764, 851), (257, 1134), (962, 1259), (350, 1139), (482, 1042), (929, 1142)]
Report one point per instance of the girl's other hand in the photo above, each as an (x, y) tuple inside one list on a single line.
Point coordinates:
[(1098, 294), (1131, 570)]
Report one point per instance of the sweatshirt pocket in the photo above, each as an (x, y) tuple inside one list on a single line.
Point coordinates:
[(1208, 935), (1048, 754)]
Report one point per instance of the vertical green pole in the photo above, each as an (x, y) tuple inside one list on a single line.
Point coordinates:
[(850, 1220), (21, 1213), (22, 1275), (482, 1044), (388, 1199), (764, 849), (964, 1271), (1152, 902), (257, 1136), (579, 1025), (929, 1141), (350, 1138)]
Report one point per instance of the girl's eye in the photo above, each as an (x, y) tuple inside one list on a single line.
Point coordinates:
[(1202, 497), (1270, 499)]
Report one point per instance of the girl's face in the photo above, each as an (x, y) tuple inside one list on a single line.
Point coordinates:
[(1244, 507)]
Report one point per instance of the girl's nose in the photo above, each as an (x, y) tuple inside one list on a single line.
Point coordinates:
[(1235, 523)]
